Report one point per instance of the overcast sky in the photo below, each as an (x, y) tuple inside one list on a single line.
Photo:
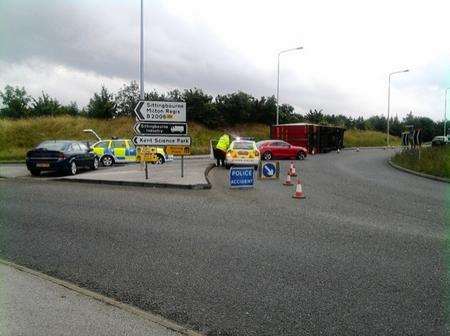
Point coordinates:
[(69, 48)]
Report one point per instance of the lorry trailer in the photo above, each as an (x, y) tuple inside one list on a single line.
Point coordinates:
[(315, 138)]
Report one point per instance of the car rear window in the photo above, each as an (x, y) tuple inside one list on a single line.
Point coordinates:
[(54, 145), (83, 147), (243, 145)]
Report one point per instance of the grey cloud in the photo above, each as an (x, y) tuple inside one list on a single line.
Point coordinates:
[(103, 37)]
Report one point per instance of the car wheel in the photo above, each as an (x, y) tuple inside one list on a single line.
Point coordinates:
[(35, 172), (73, 168), (267, 156), (107, 161), (301, 156), (94, 164), (256, 168), (159, 160)]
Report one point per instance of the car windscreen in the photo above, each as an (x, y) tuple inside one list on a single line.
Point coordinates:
[(54, 145), (243, 145)]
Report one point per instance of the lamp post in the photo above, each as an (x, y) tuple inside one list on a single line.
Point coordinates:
[(278, 78), (389, 102), (445, 112), (141, 56)]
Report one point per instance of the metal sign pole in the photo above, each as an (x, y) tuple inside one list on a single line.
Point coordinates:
[(182, 166), (146, 170), (141, 58)]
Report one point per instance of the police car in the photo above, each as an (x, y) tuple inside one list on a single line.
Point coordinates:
[(242, 153), (115, 150)]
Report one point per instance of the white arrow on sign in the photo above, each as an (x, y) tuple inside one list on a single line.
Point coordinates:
[(158, 111), (269, 170), (147, 140)]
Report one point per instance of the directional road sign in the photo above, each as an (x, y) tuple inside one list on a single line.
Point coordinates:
[(157, 111), (148, 140), (242, 177), (149, 128)]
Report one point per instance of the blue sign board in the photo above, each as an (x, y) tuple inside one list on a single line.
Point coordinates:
[(269, 169), (242, 177)]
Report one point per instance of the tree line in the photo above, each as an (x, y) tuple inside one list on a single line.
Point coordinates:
[(220, 111)]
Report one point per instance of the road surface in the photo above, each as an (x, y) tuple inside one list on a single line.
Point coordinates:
[(364, 254)]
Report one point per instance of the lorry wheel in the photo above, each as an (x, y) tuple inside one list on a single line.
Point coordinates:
[(301, 156), (267, 156)]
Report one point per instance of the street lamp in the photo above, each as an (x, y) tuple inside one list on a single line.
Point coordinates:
[(389, 101), (278, 78), (445, 112)]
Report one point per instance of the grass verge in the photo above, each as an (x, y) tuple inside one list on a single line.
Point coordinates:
[(431, 160), (357, 138)]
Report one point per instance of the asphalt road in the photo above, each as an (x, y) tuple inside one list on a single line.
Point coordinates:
[(364, 254)]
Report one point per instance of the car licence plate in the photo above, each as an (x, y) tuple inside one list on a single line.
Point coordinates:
[(42, 165), (243, 153)]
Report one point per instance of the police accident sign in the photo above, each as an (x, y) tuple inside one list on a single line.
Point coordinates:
[(146, 140), (242, 177), (160, 111)]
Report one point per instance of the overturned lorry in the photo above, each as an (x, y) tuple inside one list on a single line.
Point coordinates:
[(315, 138)]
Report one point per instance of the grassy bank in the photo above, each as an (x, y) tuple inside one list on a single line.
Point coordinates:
[(18, 136), (432, 161), (357, 138)]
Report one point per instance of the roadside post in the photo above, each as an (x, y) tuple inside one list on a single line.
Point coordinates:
[(242, 177), (161, 123), (182, 166), (179, 151), (146, 155)]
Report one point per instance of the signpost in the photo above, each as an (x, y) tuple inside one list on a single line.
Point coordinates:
[(161, 140), (161, 111), (161, 123), (178, 150), (242, 177), (143, 128)]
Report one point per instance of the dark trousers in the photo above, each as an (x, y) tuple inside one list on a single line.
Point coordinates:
[(219, 155)]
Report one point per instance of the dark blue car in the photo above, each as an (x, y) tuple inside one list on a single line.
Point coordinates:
[(61, 155)]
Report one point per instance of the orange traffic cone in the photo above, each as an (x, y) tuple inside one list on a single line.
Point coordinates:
[(292, 170), (288, 180), (298, 190)]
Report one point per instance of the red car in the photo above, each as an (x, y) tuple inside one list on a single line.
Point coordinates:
[(279, 149)]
